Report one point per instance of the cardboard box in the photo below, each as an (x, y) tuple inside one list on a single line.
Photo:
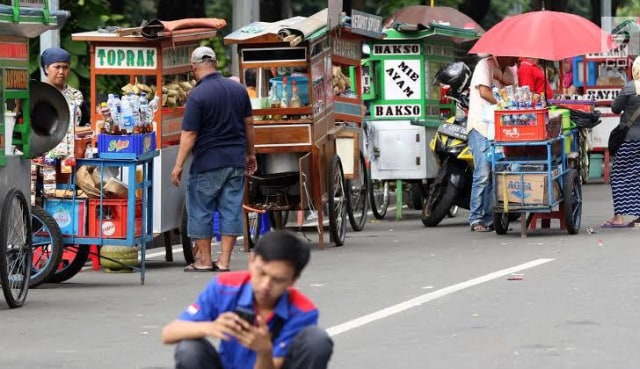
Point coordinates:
[(525, 189)]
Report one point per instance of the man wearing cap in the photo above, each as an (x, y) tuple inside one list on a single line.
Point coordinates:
[(217, 128), (261, 320)]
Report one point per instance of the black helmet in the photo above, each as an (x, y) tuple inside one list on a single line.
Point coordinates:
[(457, 75)]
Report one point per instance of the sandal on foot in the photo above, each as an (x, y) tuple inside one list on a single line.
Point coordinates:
[(480, 228), (193, 268), (218, 269), (609, 224)]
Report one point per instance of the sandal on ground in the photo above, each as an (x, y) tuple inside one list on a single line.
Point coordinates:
[(480, 228), (634, 223), (610, 224), (218, 269), (193, 268)]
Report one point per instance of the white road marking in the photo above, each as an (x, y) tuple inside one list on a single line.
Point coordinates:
[(417, 301)]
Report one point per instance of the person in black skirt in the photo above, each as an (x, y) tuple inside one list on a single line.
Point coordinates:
[(625, 174)]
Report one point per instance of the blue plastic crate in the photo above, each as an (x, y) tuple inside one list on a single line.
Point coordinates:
[(126, 146)]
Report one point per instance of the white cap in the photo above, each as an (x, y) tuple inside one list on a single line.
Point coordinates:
[(203, 53)]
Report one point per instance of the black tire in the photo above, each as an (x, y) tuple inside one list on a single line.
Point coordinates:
[(437, 204), (416, 196), (378, 197), (47, 246), (15, 248), (501, 222), (68, 269), (254, 222), (357, 203), (337, 202), (572, 201), (187, 244)]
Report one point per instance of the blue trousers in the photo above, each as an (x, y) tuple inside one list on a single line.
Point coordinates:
[(310, 349), (481, 206)]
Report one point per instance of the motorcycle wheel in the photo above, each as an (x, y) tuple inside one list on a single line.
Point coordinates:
[(441, 198)]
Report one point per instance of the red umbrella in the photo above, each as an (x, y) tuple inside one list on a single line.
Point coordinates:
[(543, 34), (425, 15)]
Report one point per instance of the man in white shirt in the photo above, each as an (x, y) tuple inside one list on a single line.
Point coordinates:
[(490, 71)]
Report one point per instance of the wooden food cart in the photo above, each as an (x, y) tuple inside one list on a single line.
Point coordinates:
[(298, 165), (163, 65)]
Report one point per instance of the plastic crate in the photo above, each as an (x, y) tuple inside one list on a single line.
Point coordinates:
[(525, 125), (114, 218), (125, 146), (71, 215)]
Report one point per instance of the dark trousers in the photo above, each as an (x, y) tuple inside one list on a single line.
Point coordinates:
[(310, 349)]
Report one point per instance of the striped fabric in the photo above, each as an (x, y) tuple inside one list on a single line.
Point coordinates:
[(625, 179)]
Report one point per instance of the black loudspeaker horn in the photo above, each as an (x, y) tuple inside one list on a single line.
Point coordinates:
[(50, 117)]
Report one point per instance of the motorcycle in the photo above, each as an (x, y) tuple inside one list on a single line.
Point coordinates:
[(452, 186)]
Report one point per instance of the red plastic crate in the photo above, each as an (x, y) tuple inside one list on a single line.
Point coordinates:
[(525, 125), (116, 226)]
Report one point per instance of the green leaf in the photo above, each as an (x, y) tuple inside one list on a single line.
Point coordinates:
[(73, 80), (74, 47)]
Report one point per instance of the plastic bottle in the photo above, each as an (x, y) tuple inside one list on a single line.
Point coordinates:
[(106, 116), (127, 115), (135, 109), (151, 111), (144, 112), (117, 114), (295, 98)]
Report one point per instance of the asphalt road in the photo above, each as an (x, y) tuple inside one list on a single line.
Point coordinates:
[(397, 295)]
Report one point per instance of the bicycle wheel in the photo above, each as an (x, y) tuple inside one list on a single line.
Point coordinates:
[(357, 191), (254, 220), (15, 248), (46, 244), (336, 202), (379, 197), (70, 267)]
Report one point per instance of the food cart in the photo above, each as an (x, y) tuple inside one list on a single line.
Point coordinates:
[(39, 122), (299, 167), (404, 107)]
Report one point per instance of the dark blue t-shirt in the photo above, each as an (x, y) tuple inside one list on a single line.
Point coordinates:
[(216, 109)]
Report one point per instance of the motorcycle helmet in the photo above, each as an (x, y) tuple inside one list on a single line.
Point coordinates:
[(456, 75)]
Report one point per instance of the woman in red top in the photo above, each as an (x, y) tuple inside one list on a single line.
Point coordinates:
[(531, 74)]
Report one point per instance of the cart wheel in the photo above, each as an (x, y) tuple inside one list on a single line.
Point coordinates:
[(572, 195), (416, 196), (72, 266), (501, 222), (357, 198), (278, 215), (378, 197), (337, 199), (15, 248), (46, 242), (254, 220), (187, 244)]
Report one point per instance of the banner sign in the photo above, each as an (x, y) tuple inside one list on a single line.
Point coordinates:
[(113, 57), (396, 49), (402, 80), (366, 24), (16, 79), (392, 111)]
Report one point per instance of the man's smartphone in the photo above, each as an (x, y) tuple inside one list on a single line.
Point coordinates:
[(246, 314)]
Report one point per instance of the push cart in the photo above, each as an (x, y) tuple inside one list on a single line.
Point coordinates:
[(18, 141), (298, 164), (535, 178)]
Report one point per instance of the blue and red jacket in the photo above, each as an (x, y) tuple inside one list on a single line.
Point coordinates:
[(229, 290)]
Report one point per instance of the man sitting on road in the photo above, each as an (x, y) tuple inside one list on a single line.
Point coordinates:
[(259, 318)]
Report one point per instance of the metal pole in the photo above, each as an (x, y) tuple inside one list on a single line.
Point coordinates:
[(50, 38), (244, 12)]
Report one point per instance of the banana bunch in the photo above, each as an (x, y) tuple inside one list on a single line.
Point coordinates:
[(138, 88), (175, 93), (340, 81)]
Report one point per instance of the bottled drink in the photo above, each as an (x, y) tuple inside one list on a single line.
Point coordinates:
[(144, 111), (273, 97), (295, 98), (284, 101), (135, 110), (116, 113), (106, 116), (151, 111), (127, 114)]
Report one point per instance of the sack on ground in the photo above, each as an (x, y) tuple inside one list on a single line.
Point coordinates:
[(616, 138)]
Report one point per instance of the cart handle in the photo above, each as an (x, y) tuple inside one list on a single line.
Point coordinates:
[(249, 208)]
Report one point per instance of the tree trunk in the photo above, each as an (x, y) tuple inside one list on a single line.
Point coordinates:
[(117, 6), (555, 5), (475, 9), (179, 9)]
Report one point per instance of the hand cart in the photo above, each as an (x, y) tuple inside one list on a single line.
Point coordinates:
[(298, 164), (541, 185)]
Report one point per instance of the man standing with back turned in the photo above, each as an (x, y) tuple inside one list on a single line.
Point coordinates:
[(217, 128)]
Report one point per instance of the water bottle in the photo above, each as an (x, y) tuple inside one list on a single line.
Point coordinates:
[(151, 111), (144, 110), (117, 112), (127, 115), (135, 109)]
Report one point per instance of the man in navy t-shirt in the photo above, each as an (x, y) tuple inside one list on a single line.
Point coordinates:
[(217, 128), (279, 328)]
